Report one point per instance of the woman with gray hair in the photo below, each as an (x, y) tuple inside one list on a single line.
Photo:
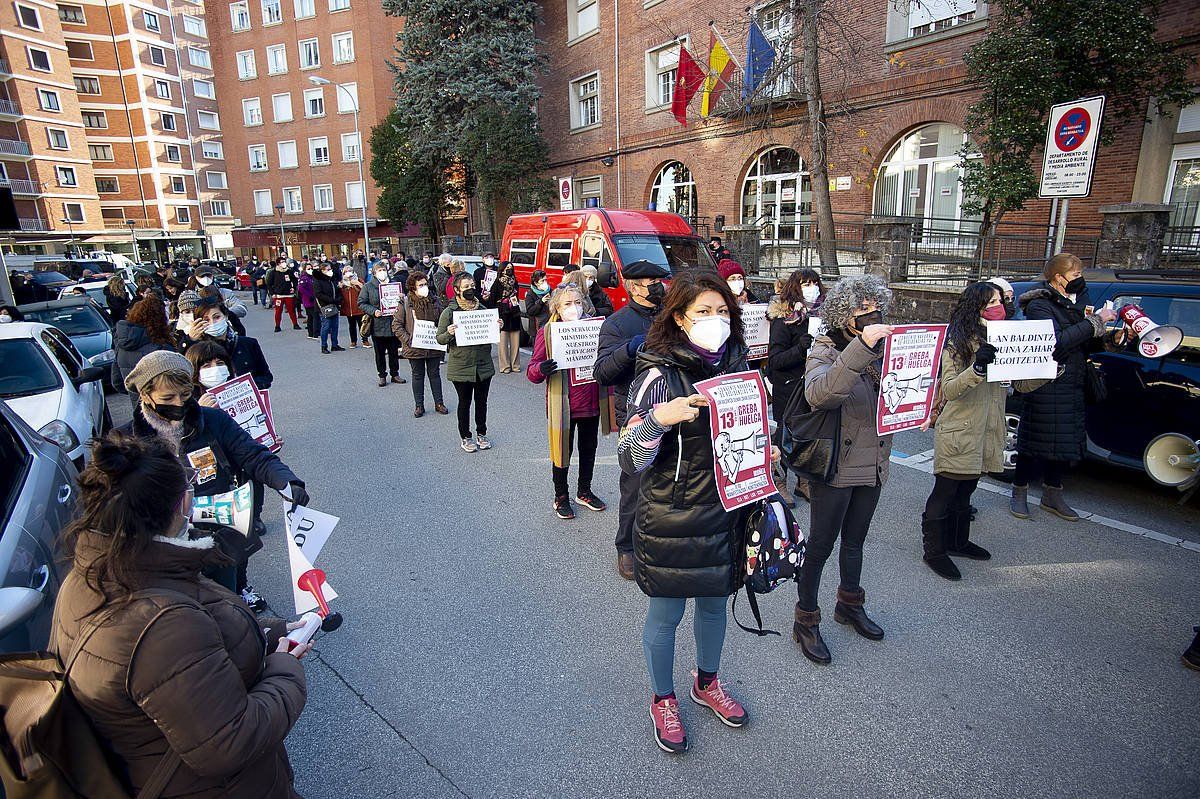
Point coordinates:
[(843, 373)]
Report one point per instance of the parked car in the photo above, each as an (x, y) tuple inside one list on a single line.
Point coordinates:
[(85, 323), (37, 500), (45, 284), (1146, 396), (604, 238), (50, 385), (91, 288)]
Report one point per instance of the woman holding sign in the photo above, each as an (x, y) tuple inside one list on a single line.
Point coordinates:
[(843, 374), (573, 409), (419, 305), (684, 539), (469, 367)]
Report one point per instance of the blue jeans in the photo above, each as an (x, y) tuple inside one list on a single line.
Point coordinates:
[(658, 637), (329, 329)]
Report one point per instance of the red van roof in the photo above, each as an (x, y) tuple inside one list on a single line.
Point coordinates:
[(612, 220)]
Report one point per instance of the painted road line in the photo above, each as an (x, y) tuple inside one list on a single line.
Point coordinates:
[(923, 462)]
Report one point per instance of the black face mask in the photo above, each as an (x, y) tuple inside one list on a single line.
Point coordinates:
[(172, 413), (467, 294), (655, 293), (1010, 310), (1076, 286), (860, 323)]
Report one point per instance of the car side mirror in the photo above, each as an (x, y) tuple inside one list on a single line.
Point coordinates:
[(89, 374), (606, 276)]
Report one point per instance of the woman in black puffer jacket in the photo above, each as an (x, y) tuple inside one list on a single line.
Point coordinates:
[(684, 540), (1052, 434)]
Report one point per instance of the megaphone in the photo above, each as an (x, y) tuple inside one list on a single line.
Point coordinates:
[(1173, 459), (1154, 340), (234, 509), (311, 582)]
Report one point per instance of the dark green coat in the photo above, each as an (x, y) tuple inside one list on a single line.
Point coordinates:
[(463, 364)]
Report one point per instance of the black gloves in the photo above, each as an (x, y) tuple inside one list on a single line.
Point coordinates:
[(299, 495), (635, 344), (548, 368), (983, 356)]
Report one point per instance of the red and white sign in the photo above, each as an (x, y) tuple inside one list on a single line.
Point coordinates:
[(389, 297), (1071, 140), (910, 366), (265, 394), (737, 413), (566, 199), (241, 399), (757, 329)]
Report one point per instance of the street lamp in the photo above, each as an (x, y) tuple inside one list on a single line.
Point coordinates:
[(282, 240), (317, 80), (137, 259)]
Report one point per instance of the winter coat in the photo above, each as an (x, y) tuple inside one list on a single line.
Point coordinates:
[(280, 284), (614, 364), (480, 275), (248, 359), (326, 291), (1052, 419), (584, 399), (350, 294), (840, 377), (600, 301), (304, 290), (508, 305), (235, 306), (788, 348), (537, 310), (186, 668), (118, 305), (132, 343), (403, 324), (368, 303), (684, 541), (471, 364)]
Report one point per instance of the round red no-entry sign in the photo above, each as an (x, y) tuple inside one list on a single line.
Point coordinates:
[(1072, 129)]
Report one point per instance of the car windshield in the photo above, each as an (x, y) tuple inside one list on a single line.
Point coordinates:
[(24, 369), (50, 277), (77, 320), (676, 253)]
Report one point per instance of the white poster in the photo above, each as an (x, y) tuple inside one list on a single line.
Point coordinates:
[(1024, 350), (817, 326), (477, 327), (758, 329), (309, 528), (300, 565), (574, 344), (489, 279), (424, 336), (389, 297), (1071, 140), (737, 414)]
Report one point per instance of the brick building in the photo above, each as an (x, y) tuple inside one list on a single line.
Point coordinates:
[(290, 75), (896, 112), (100, 124)]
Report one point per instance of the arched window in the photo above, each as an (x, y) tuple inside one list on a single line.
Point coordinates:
[(674, 191), (921, 177), (777, 194)]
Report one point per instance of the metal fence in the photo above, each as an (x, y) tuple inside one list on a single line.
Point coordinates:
[(1181, 245)]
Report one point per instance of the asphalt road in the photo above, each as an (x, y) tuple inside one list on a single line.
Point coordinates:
[(491, 650)]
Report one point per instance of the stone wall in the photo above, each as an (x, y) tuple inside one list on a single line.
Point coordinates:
[(913, 303)]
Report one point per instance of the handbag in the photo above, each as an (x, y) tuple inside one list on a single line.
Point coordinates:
[(1095, 388), (810, 448), (330, 311)]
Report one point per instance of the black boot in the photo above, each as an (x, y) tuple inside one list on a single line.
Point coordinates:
[(959, 542), (808, 634), (1191, 658), (933, 538), (849, 610)]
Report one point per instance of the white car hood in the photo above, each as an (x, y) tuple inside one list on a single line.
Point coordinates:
[(38, 410)]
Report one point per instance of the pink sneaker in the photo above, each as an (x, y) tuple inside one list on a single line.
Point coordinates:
[(715, 699), (668, 729)]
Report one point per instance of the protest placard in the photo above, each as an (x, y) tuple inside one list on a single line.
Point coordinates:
[(389, 297), (738, 423), (574, 344), (486, 282), (233, 509), (583, 375), (910, 365), (309, 528), (817, 326), (241, 399), (424, 336), (758, 329), (265, 396), (1024, 350), (477, 327)]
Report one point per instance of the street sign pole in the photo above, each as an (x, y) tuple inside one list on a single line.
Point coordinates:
[(1072, 137), (1060, 232)]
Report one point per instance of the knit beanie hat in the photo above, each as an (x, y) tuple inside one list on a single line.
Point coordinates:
[(154, 364), (729, 267), (188, 300)]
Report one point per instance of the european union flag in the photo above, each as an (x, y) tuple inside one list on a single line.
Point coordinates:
[(760, 57)]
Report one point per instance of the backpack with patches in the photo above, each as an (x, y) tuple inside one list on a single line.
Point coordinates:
[(772, 552)]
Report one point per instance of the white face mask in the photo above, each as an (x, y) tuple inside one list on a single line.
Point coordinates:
[(212, 376), (327, 272), (589, 282), (204, 281), (736, 286), (184, 321), (810, 293), (5, 318), (570, 313), (709, 332), (489, 261), (217, 328), (381, 276), (543, 286), (422, 291)]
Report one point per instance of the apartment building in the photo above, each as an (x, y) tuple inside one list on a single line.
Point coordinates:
[(301, 84), (897, 112), (112, 133)]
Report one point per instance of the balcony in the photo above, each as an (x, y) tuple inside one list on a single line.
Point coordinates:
[(5, 72), (11, 148), (33, 224), (9, 109), (123, 224), (20, 185)]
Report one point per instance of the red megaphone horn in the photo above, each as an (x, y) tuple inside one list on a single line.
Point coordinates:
[(311, 582)]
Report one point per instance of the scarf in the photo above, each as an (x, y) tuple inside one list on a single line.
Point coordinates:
[(711, 358), (171, 432), (508, 285), (558, 412)]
